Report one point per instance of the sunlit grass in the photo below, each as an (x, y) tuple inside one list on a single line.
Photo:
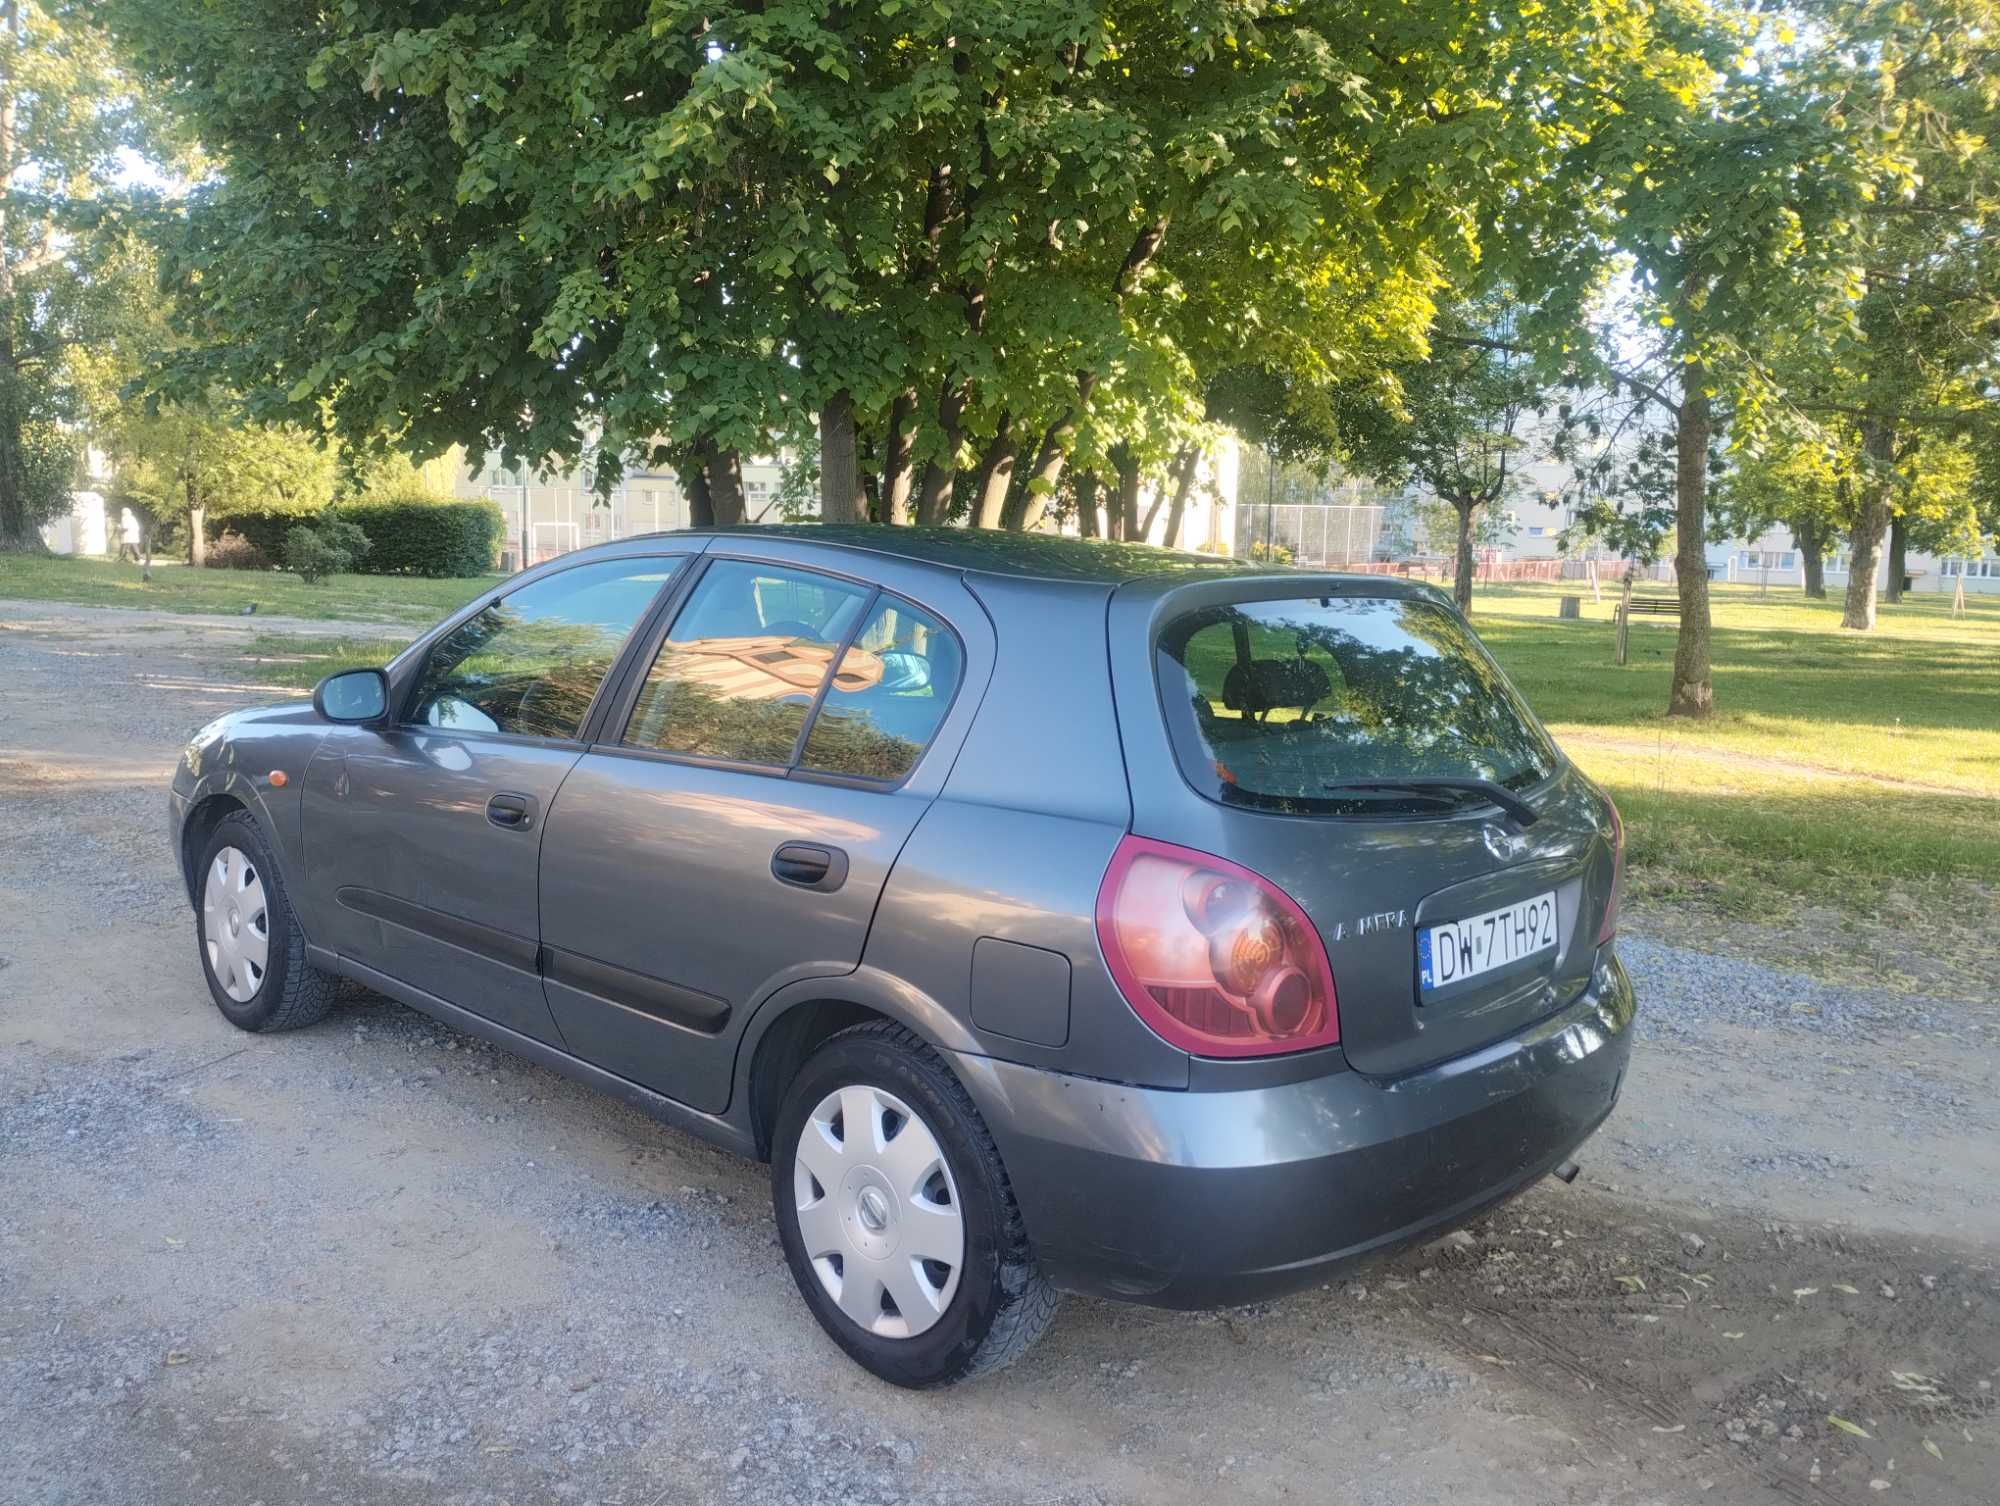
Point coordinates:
[(1853, 778), (183, 588), (1917, 700), (280, 659)]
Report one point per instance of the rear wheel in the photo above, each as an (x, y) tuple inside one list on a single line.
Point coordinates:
[(896, 1215), (252, 950)]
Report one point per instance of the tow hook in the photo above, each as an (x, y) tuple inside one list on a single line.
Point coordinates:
[(1566, 1173)]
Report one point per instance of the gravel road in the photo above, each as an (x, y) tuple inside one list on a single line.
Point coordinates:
[(377, 1261)]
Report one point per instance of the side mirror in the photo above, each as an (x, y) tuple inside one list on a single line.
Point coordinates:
[(353, 695)]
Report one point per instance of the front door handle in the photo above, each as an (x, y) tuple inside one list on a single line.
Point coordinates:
[(807, 866), (512, 812)]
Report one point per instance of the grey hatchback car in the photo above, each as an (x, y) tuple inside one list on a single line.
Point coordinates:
[(1051, 915)]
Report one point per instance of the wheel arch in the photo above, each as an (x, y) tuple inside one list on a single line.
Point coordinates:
[(204, 815), (787, 1028)]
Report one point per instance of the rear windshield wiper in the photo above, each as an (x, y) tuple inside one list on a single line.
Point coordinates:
[(1522, 813)]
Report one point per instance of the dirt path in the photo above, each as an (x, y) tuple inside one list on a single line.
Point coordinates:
[(379, 1262)]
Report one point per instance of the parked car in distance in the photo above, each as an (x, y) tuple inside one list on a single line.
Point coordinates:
[(1051, 915)]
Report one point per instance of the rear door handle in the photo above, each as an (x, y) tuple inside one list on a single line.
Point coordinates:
[(513, 812), (806, 866)]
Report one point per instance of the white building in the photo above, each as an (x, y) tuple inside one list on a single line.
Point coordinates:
[(1774, 559), (89, 527)]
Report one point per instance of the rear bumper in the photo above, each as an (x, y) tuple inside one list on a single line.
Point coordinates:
[(1201, 1199)]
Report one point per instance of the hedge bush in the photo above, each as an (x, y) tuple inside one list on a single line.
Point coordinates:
[(427, 538), (234, 552), (331, 545), (262, 528), (405, 536)]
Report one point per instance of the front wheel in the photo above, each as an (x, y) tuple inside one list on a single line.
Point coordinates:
[(896, 1215), (252, 950)]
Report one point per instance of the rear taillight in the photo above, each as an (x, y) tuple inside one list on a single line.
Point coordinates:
[(1216, 959), (1610, 927)]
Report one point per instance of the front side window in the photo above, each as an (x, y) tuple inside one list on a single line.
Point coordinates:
[(894, 687), (1271, 702), (531, 662), (744, 662)]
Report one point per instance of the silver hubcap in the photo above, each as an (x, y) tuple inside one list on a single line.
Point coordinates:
[(235, 925), (878, 1211)]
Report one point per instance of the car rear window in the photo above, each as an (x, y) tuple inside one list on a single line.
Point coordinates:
[(1270, 702)]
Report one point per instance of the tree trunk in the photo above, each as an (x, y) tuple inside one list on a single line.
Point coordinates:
[(1179, 477), (725, 482), (1025, 508), (840, 498), (996, 472), (934, 496), (1807, 534), (1186, 464), (16, 533), (1899, 559), (1693, 692), (1125, 503), (1878, 443), (1014, 511), (694, 486), (1461, 581), (1087, 486), (898, 465)]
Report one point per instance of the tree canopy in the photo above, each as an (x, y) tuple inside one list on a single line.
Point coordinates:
[(955, 241)]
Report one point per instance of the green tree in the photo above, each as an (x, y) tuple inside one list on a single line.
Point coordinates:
[(65, 113), (176, 462), (1457, 424), (1738, 202), (1805, 487), (960, 246), (1892, 411)]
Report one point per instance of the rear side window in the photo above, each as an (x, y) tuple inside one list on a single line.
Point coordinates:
[(744, 662), (894, 687), (1270, 702)]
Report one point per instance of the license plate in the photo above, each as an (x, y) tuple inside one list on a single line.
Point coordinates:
[(1462, 949)]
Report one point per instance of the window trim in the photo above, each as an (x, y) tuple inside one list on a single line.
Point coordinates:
[(826, 681), (607, 736), (612, 676)]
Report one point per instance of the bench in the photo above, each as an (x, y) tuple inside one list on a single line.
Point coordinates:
[(1655, 606)]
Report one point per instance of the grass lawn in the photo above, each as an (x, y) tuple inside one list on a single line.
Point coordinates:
[(301, 663), (1841, 808), (183, 588), (1847, 789)]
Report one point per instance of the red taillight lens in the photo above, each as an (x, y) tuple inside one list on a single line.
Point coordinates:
[(1214, 958), (1610, 927)]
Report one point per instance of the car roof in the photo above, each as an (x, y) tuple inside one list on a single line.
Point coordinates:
[(992, 551)]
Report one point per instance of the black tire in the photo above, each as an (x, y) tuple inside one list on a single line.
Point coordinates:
[(1003, 1302), (292, 992)]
